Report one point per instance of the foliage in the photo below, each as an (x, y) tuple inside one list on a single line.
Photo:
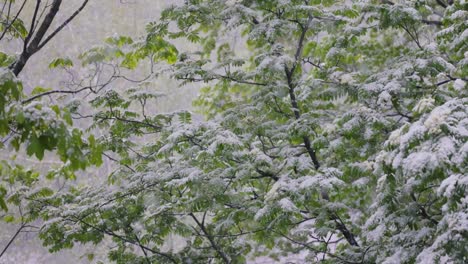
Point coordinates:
[(334, 130)]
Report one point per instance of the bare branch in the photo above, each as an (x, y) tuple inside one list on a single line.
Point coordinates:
[(37, 42), (56, 31), (33, 24), (13, 238)]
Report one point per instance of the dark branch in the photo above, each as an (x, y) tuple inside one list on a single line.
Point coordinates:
[(33, 24), (12, 240), (55, 92), (211, 240), (37, 44), (441, 3), (32, 48), (56, 31)]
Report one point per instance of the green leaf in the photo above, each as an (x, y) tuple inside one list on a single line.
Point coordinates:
[(18, 29), (68, 118), (3, 193), (35, 147), (5, 60), (119, 41), (8, 218), (3, 205), (39, 90), (20, 118), (185, 117), (61, 62)]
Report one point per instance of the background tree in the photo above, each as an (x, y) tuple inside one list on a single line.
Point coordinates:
[(37, 126)]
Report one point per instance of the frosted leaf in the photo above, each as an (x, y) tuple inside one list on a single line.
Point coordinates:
[(411, 184), (265, 63), (415, 163), (459, 14), (260, 213), (448, 185), (446, 260), (397, 257), (52, 221), (366, 165), (463, 62), (352, 123), (421, 63), (260, 157), (456, 224), (395, 136), (462, 127), (449, 66), (459, 84), (392, 86), (287, 205), (424, 233), (445, 31), (424, 105), (415, 132), (6, 75), (334, 52), (436, 118), (273, 192), (432, 47), (347, 79), (445, 148), (385, 99), (320, 181), (361, 182), (462, 155), (461, 39), (138, 227), (377, 233), (332, 172)]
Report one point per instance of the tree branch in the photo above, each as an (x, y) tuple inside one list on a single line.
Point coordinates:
[(423, 211), (55, 92), (37, 44), (56, 31), (10, 24), (32, 48), (292, 95), (124, 239), (33, 24), (12, 239), (211, 240), (441, 3), (432, 22)]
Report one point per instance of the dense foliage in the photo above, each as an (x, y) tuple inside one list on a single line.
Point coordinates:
[(335, 131)]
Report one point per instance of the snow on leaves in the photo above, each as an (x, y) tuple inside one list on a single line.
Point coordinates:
[(339, 134)]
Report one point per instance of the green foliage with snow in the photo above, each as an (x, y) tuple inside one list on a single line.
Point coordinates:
[(335, 131)]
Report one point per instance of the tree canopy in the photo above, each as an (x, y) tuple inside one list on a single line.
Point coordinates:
[(332, 131)]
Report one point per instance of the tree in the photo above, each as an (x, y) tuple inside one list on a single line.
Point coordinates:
[(23, 121), (334, 130), (35, 38)]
